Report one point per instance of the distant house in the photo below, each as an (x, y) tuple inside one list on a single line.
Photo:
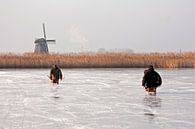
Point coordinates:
[(116, 50)]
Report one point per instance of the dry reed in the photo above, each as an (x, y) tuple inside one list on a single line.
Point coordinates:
[(98, 60)]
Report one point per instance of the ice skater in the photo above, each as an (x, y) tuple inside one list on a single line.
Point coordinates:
[(55, 74), (151, 80)]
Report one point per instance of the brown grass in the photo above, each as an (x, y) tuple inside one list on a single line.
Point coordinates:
[(98, 60)]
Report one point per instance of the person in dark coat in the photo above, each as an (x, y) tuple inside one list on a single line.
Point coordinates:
[(55, 74), (151, 80)]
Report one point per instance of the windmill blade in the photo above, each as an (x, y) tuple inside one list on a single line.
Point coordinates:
[(51, 41), (44, 31)]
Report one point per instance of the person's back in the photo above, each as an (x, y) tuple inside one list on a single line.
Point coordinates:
[(55, 74), (151, 80)]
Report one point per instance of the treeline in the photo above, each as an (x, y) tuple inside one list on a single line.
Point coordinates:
[(98, 60)]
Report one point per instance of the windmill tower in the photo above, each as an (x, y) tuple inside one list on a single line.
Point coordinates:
[(41, 44)]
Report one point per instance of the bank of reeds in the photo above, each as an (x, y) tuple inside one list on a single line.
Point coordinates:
[(98, 60)]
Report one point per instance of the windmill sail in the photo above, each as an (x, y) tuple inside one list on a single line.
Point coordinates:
[(44, 31), (51, 41)]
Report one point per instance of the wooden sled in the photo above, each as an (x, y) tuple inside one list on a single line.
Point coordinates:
[(151, 90), (54, 80)]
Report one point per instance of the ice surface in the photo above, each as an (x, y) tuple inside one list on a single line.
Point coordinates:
[(95, 99)]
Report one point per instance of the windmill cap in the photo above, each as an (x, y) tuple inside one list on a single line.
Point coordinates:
[(40, 40)]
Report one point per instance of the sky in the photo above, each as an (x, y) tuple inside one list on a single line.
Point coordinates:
[(87, 25)]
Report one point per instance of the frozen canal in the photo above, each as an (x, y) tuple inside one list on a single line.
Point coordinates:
[(96, 99)]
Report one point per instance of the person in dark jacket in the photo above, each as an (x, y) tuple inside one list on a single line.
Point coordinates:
[(55, 74), (151, 80)]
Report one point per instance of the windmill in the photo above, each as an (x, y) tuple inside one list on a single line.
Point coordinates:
[(41, 44)]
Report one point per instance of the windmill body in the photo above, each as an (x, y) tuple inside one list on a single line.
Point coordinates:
[(41, 44)]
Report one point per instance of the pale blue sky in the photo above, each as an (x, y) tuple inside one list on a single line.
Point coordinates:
[(79, 25)]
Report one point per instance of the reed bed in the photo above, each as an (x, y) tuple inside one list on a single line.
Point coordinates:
[(98, 60)]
